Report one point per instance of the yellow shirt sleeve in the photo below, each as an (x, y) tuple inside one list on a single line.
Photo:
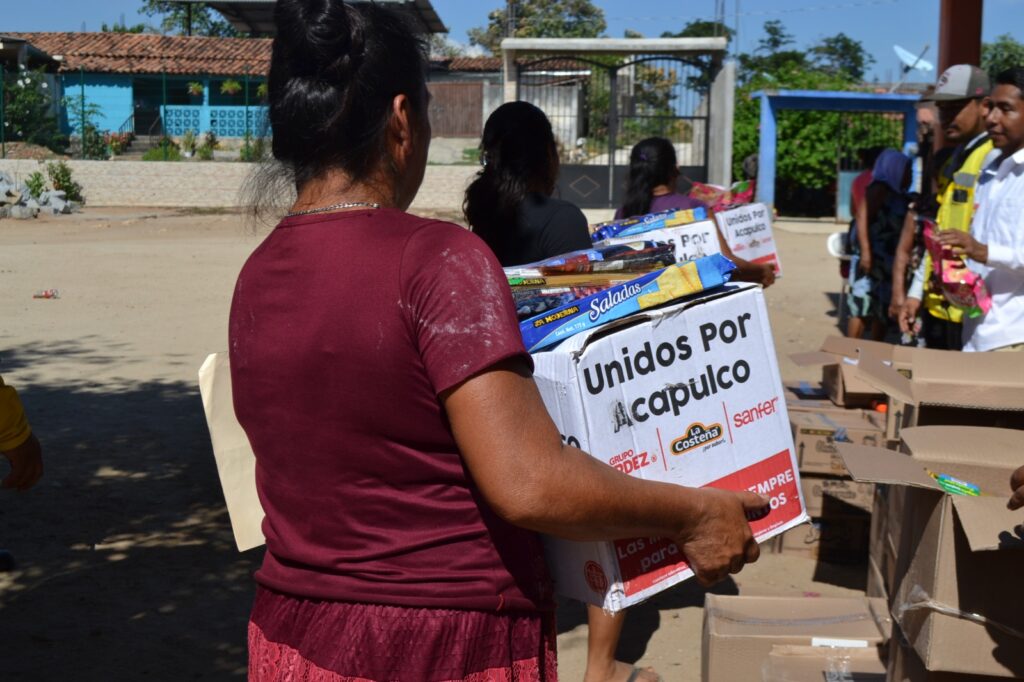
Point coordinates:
[(14, 429)]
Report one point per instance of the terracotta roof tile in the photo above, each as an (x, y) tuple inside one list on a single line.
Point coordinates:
[(136, 53)]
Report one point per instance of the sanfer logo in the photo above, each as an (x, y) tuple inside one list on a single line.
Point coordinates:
[(697, 435)]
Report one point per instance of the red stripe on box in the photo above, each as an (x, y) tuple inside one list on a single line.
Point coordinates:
[(646, 562)]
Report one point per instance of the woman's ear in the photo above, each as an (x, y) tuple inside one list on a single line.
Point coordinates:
[(401, 131)]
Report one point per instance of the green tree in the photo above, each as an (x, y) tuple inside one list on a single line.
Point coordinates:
[(27, 110), (174, 19), (842, 54), (701, 29), (124, 28), (540, 19), (775, 37), (441, 47), (809, 142), (1004, 53)]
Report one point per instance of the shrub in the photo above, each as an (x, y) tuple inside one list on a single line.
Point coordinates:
[(188, 141), (253, 148), (195, 88), (167, 150), (60, 178), (36, 184)]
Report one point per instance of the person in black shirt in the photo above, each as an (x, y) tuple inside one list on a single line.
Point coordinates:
[(509, 204)]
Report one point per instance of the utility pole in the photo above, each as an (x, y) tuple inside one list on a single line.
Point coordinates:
[(510, 15), (188, 18)]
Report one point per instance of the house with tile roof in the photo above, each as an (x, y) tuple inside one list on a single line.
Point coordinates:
[(153, 84)]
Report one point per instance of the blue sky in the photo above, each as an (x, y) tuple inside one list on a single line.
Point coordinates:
[(878, 24)]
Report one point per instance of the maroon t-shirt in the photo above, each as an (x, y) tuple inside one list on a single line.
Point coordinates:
[(344, 330)]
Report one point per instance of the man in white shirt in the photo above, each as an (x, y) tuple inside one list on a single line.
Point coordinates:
[(995, 244)]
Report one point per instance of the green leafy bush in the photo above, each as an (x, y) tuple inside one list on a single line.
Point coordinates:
[(36, 184), (61, 180), (167, 150)]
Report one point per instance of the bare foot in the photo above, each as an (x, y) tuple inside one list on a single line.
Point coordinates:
[(623, 672)]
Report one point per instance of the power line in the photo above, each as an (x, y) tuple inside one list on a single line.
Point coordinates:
[(755, 13)]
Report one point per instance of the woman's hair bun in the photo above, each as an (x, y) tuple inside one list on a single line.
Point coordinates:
[(320, 36)]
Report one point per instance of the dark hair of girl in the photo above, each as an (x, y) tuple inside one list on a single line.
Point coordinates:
[(334, 71), (651, 163), (519, 156)]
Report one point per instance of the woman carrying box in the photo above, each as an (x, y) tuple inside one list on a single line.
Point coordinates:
[(404, 458), (651, 188)]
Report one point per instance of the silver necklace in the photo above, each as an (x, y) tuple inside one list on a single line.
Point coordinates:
[(333, 207)]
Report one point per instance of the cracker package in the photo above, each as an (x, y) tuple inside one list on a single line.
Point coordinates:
[(646, 291), (625, 227)]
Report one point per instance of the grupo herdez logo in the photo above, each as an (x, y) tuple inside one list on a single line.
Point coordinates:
[(697, 435)]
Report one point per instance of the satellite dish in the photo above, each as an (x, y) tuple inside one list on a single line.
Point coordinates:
[(912, 61)]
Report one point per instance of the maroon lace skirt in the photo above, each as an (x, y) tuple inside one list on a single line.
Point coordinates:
[(302, 640)]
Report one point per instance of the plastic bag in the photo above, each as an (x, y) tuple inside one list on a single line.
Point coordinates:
[(960, 285)]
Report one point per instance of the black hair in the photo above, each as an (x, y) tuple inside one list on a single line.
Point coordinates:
[(1013, 76), (652, 162), (334, 71), (519, 156)]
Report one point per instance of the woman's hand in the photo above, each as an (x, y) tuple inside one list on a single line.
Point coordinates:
[(720, 541), (767, 275)]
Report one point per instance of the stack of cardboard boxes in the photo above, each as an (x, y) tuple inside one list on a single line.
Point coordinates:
[(842, 408), (944, 555)]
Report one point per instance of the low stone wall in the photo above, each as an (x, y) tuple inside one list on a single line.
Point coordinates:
[(193, 184)]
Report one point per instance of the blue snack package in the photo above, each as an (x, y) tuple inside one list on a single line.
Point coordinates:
[(625, 227), (646, 291)]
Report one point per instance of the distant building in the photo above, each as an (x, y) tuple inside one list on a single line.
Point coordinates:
[(153, 84)]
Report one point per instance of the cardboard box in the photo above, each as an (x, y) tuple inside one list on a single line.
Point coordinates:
[(787, 663), (838, 539), (841, 378), (748, 232), (960, 557), (815, 435), (934, 387), (835, 495), (740, 632), (692, 241), (804, 396), (688, 394), (906, 666)]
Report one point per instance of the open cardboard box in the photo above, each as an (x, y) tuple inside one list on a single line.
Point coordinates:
[(740, 632), (816, 434), (928, 387), (839, 357), (957, 588)]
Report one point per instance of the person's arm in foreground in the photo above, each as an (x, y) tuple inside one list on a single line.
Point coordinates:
[(531, 479), (899, 264), (759, 273), (17, 442)]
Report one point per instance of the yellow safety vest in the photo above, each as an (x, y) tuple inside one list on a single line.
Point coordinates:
[(956, 208)]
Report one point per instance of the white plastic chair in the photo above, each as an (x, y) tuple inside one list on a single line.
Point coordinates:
[(836, 246)]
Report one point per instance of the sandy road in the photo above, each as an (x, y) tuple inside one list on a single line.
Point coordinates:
[(127, 567)]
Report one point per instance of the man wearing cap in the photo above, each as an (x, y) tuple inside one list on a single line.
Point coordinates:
[(960, 98), (994, 246)]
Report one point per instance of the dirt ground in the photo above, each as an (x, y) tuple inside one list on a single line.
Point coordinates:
[(126, 565)]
